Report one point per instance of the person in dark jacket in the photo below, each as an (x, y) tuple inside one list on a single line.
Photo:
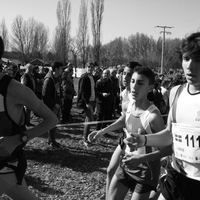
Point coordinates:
[(86, 98), (116, 91), (104, 98), (68, 93), (51, 96)]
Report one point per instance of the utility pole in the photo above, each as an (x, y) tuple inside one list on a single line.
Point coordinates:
[(163, 44)]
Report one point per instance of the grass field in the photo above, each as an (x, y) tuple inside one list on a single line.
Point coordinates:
[(73, 172)]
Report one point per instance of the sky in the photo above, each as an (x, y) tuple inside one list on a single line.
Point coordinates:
[(121, 18)]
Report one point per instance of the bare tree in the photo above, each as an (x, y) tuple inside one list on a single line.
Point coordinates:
[(74, 50), (97, 8), (82, 34), (62, 36), (4, 34), (28, 38), (41, 39), (117, 56)]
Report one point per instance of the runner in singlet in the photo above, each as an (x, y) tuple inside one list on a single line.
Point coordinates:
[(141, 176), (13, 135), (182, 181)]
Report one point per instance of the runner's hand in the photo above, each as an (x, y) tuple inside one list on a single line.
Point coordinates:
[(131, 160), (137, 138), (93, 136)]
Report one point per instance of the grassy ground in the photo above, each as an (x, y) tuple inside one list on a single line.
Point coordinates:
[(73, 172)]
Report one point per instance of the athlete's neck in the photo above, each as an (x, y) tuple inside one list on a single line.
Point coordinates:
[(193, 89)]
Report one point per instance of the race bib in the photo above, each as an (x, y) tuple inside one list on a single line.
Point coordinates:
[(186, 140)]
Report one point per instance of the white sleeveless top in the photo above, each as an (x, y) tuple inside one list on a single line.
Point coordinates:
[(125, 99), (186, 135), (133, 123)]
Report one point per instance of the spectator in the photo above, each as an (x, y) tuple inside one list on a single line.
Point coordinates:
[(38, 82), (51, 95), (120, 79), (86, 98), (104, 98), (17, 73), (68, 93), (97, 73), (116, 90), (9, 70), (28, 80), (14, 136)]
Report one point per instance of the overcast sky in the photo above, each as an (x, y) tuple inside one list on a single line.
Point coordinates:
[(120, 17)]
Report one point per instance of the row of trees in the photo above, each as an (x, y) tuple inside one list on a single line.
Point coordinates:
[(143, 49), (29, 39)]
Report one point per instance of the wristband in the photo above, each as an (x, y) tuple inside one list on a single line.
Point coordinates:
[(145, 142), (24, 138)]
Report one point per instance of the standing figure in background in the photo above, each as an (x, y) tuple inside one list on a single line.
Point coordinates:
[(38, 82), (17, 73), (68, 93), (116, 91), (28, 80), (51, 95), (97, 73), (104, 98), (86, 98)]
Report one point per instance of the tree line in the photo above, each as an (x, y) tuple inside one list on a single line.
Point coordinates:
[(29, 39)]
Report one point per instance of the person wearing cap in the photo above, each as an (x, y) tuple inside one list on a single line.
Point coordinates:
[(51, 96), (86, 98), (14, 135)]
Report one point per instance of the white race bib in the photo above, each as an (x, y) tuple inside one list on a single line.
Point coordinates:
[(186, 140)]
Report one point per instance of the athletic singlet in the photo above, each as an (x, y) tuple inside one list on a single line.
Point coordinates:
[(125, 99), (7, 126), (148, 172), (185, 115)]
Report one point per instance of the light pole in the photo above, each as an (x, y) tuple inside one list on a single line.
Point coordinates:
[(163, 45)]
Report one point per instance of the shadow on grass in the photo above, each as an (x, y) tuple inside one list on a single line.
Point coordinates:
[(77, 159), (41, 186)]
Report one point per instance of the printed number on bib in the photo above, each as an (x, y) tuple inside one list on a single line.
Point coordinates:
[(186, 140)]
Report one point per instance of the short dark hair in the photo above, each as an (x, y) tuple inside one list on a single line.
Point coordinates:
[(1, 47), (191, 45), (56, 64), (146, 72), (133, 64)]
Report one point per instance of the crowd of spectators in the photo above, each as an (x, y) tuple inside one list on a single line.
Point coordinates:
[(53, 86), (107, 86), (163, 85)]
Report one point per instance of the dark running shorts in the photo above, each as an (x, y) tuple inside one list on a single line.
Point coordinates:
[(131, 183), (175, 186)]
